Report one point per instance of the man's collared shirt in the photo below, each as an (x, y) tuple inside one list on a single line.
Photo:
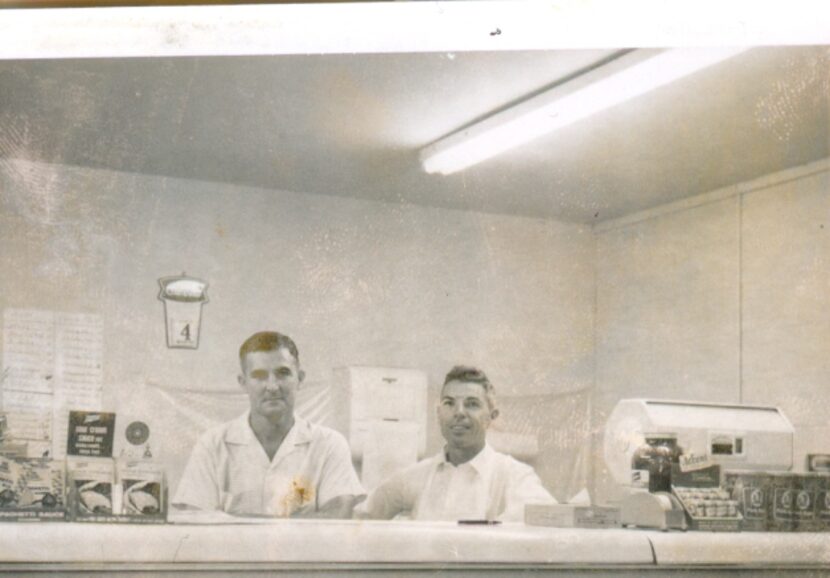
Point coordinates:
[(491, 486), (229, 470)]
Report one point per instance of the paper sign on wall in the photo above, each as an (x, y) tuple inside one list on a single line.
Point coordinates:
[(183, 299)]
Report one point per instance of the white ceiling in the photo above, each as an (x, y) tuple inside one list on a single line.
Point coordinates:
[(352, 125)]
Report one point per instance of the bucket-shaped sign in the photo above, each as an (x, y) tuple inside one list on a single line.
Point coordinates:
[(183, 298)]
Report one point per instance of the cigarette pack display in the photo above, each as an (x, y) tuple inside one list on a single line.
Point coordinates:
[(709, 509), (31, 489), (143, 491), (91, 487)]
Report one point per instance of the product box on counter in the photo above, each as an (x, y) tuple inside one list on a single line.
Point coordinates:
[(572, 516), (105, 490), (143, 491), (31, 489), (752, 491), (781, 501)]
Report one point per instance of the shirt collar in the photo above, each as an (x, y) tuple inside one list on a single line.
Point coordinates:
[(240, 432), (481, 463)]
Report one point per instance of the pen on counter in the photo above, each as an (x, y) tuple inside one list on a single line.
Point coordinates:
[(479, 522)]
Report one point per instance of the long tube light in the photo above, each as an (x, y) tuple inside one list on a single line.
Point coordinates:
[(624, 78)]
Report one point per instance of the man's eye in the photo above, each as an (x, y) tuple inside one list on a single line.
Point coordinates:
[(284, 372), (447, 403), (259, 375), (473, 403)]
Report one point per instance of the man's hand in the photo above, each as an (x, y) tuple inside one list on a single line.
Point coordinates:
[(337, 508)]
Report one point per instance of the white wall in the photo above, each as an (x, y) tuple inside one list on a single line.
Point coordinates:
[(786, 305), (725, 297), (353, 282)]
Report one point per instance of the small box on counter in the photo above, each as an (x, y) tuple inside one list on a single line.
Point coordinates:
[(90, 487), (31, 489), (572, 516), (752, 492), (104, 490), (143, 491)]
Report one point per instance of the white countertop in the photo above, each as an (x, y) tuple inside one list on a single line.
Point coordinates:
[(316, 541), (366, 543)]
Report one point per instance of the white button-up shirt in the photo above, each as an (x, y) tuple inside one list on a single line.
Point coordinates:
[(491, 486), (229, 470)]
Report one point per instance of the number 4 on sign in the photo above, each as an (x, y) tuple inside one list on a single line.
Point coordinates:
[(183, 334)]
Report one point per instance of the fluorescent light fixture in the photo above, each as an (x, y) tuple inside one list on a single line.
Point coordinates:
[(624, 78)]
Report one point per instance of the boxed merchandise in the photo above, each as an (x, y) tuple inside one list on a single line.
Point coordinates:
[(572, 516), (809, 489), (781, 515), (91, 485), (143, 491), (781, 501), (31, 489), (752, 492), (823, 502)]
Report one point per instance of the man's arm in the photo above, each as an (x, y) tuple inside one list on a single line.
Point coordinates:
[(524, 488), (198, 488), (339, 507), (339, 490), (384, 502)]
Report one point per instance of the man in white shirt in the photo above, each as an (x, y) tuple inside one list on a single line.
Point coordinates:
[(269, 461), (468, 480)]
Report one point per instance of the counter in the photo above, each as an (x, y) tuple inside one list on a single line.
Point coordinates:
[(312, 547)]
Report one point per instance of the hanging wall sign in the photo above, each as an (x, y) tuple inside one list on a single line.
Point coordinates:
[(183, 298)]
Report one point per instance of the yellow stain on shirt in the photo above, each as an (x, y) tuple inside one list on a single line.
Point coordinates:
[(300, 494)]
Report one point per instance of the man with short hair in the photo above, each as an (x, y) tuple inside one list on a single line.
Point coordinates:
[(468, 480), (270, 461)]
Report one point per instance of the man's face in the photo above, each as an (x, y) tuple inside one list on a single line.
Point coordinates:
[(464, 414), (271, 379)]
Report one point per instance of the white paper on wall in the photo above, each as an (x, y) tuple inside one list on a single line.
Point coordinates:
[(79, 371), (389, 447), (53, 362), (29, 350)]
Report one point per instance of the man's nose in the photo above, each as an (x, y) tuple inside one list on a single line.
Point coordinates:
[(272, 382), (460, 410)]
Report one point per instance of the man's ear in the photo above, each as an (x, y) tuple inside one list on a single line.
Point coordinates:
[(241, 379), (494, 414), (301, 377)]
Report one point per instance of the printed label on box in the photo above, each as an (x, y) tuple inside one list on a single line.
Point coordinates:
[(90, 434)]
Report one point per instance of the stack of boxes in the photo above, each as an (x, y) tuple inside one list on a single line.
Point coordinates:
[(781, 501)]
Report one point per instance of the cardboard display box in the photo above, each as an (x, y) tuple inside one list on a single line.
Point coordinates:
[(572, 516), (31, 489)]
